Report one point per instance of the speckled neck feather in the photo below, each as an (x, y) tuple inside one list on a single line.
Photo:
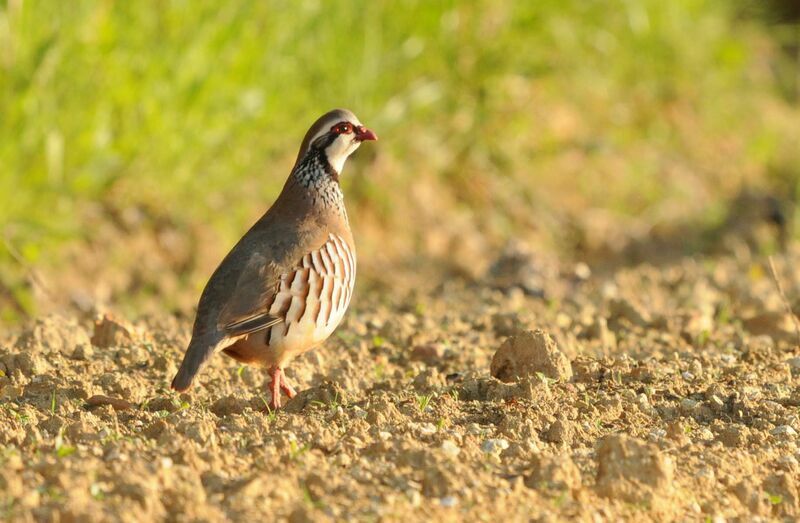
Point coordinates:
[(315, 177)]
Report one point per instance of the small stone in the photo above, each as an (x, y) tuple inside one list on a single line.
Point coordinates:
[(474, 429), (528, 353), (425, 429), (450, 449), (117, 403), (784, 430), (448, 501), (734, 436), (560, 431), (689, 406), (688, 376), (494, 445), (582, 271)]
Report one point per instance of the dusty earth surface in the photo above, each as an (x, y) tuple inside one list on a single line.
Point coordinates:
[(665, 392)]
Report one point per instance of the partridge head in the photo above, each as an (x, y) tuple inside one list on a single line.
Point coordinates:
[(285, 286)]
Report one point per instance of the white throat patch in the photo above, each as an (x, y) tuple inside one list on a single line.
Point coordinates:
[(341, 148)]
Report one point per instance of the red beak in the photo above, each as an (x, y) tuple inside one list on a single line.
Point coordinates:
[(363, 134)]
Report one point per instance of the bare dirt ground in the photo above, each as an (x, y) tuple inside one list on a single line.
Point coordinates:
[(662, 393)]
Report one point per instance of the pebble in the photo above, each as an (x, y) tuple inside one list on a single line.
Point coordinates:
[(490, 446), (582, 271), (426, 429), (784, 430), (643, 400), (689, 405), (117, 403), (448, 501), (450, 449), (474, 429)]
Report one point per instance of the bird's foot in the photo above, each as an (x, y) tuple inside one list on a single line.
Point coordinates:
[(279, 384)]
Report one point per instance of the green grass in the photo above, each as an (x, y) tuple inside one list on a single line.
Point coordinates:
[(189, 113)]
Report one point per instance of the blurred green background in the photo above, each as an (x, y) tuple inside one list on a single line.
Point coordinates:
[(138, 140)]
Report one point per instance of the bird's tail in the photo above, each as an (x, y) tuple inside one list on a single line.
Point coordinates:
[(196, 355)]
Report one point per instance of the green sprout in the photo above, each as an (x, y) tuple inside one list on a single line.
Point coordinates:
[(423, 401), (296, 451)]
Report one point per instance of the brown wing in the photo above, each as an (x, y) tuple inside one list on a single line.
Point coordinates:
[(238, 295), (247, 310)]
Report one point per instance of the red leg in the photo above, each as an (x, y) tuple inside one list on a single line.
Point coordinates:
[(279, 384), (275, 403), (285, 387)]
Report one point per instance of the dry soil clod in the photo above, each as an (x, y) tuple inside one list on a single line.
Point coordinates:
[(118, 403), (527, 354)]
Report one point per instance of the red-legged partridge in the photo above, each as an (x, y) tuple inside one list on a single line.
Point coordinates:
[(285, 286)]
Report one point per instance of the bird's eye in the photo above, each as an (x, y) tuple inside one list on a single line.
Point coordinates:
[(344, 128)]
